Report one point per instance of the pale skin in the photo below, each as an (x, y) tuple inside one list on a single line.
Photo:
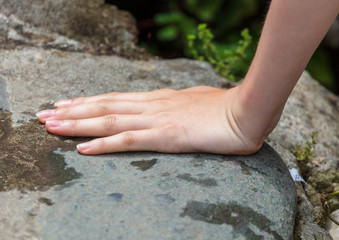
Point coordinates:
[(205, 119)]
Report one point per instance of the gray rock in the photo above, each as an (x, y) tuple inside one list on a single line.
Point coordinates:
[(3, 95), (31, 76), (49, 191), (310, 108), (73, 25), (332, 227), (306, 227)]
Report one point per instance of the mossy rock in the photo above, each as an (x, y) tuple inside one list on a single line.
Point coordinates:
[(322, 181)]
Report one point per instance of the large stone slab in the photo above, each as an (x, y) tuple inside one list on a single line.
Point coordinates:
[(49, 191)]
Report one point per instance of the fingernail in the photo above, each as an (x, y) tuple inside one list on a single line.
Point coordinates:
[(54, 123), (83, 146), (63, 103), (45, 113)]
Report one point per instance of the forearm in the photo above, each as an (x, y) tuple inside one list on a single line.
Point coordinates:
[(292, 32)]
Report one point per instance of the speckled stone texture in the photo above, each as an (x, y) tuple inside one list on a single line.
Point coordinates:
[(125, 195), (73, 25)]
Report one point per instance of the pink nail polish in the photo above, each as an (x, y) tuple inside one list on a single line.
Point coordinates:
[(45, 113), (83, 146), (54, 123), (63, 103)]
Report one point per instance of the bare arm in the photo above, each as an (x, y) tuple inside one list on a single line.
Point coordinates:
[(207, 119), (292, 32)]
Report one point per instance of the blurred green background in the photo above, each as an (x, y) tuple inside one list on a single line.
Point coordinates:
[(164, 26)]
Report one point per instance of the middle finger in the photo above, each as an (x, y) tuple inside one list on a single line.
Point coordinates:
[(99, 127)]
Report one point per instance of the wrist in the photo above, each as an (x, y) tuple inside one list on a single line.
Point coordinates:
[(255, 119)]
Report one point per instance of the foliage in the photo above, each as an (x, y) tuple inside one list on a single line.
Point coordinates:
[(306, 153), (224, 18), (203, 48), (178, 18), (332, 194), (175, 23), (320, 68)]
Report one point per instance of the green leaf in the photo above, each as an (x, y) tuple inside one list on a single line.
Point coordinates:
[(168, 33), (168, 18)]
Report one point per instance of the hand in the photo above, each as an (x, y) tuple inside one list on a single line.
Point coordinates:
[(198, 119)]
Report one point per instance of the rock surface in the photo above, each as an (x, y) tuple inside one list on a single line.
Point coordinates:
[(126, 195), (73, 25), (332, 227), (31, 78), (310, 108)]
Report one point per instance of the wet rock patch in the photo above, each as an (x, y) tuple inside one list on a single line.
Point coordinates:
[(144, 165), (242, 219), (206, 182), (28, 160)]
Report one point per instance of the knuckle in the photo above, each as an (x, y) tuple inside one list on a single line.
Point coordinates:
[(101, 143), (74, 124), (103, 105), (109, 122), (78, 100), (161, 103), (164, 116), (73, 127), (176, 135), (62, 111), (170, 131), (170, 127), (67, 110), (128, 138)]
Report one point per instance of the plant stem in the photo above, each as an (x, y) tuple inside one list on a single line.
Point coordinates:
[(332, 194)]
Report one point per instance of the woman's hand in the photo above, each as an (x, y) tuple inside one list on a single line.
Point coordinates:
[(198, 119), (205, 119)]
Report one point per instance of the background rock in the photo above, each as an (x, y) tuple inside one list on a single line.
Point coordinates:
[(310, 108), (332, 227), (74, 25)]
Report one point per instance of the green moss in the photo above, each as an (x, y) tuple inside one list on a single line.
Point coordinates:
[(322, 181), (322, 185)]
